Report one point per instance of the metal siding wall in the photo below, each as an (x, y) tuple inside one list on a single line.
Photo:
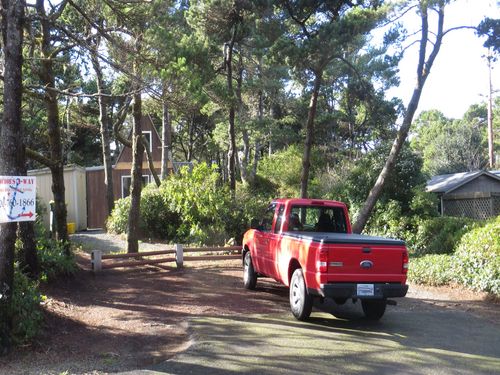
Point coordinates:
[(82, 200), (75, 195), (44, 194), (69, 194)]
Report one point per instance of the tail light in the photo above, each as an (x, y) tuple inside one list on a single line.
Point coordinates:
[(405, 262), (322, 261)]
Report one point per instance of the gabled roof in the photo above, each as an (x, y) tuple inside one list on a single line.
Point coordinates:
[(446, 183)]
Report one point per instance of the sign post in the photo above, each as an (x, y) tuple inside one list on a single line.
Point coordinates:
[(17, 198)]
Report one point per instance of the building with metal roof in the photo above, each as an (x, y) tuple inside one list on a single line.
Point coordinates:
[(469, 194)]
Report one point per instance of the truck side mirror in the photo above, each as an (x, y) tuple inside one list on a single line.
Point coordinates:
[(254, 224)]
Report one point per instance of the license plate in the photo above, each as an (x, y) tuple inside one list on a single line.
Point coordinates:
[(365, 290)]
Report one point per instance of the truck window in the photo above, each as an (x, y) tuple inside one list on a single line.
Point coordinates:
[(267, 220), (319, 219), (279, 219)]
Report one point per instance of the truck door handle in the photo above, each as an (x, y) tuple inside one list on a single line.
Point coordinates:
[(367, 250)]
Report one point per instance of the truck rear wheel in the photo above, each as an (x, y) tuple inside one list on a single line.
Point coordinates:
[(374, 309), (300, 301), (249, 275)]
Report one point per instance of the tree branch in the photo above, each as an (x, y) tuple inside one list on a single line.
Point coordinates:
[(32, 154)]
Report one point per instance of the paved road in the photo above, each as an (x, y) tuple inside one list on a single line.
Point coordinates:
[(427, 340)]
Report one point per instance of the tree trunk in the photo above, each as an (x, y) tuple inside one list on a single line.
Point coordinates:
[(257, 142), (133, 232), (423, 70), (189, 155), (491, 134), (11, 148), (166, 138), (53, 129), (105, 130), (231, 154), (306, 159), (245, 157)]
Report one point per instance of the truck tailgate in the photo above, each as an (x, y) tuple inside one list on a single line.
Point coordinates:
[(357, 258), (358, 263)]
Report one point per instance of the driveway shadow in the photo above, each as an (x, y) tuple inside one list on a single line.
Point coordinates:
[(403, 343)]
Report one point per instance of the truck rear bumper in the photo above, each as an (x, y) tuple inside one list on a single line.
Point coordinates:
[(350, 290)]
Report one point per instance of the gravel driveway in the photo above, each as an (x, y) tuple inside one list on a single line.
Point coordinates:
[(110, 243)]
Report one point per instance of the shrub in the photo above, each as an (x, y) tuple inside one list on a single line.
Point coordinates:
[(388, 221), (54, 261), (201, 201), (476, 263), (190, 207), (157, 220), (118, 220), (283, 170), (440, 235), (23, 312), (432, 269)]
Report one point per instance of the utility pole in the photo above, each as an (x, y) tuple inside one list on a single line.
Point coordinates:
[(490, 114)]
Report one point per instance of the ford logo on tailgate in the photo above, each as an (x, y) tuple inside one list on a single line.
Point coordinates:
[(366, 264)]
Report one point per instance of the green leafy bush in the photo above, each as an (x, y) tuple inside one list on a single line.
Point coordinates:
[(23, 312), (423, 232), (189, 207), (476, 263), (440, 235), (431, 269), (201, 201), (389, 221), (400, 185), (27, 317), (283, 170), (53, 259), (157, 221), (118, 220)]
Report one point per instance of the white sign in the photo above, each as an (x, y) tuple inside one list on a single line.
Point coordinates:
[(17, 198)]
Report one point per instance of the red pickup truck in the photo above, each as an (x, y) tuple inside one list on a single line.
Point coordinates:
[(308, 245)]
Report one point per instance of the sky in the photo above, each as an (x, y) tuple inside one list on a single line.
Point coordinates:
[(459, 76)]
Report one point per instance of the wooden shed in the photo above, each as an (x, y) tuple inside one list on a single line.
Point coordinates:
[(75, 194), (469, 194)]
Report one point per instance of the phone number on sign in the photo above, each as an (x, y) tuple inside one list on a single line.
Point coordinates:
[(21, 202)]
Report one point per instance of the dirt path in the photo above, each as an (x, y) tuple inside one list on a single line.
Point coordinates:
[(122, 320)]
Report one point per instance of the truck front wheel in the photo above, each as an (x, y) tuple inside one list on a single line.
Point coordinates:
[(374, 309), (249, 275), (300, 300)]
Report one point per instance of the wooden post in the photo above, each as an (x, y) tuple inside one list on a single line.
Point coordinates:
[(96, 260), (179, 255)]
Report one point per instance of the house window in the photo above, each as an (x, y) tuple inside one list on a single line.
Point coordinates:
[(149, 139), (127, 181)]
